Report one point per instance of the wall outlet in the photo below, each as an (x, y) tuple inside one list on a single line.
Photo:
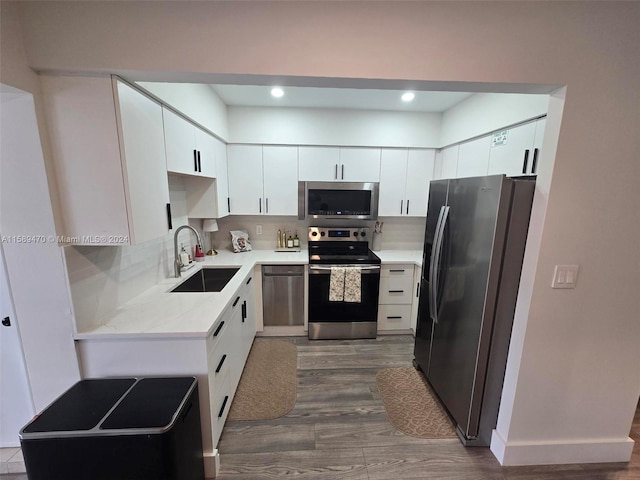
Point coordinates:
[(258, 229)]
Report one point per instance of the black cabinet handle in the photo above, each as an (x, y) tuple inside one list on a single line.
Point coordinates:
[(342, 172), (396, 291), (336, 175), (224, 357), (525, 163), (260, 205), (224, 404), (397, 270), (244, 311), (215, 334), (228, 205), (394, 318), (236, 301), (169, 216), (199, 164), (248, 281), (407, 207), (534, 164), (401, 206), (418, 290), (266, 205), (195, 160)]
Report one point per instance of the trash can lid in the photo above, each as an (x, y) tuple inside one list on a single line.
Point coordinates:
[(81, 407)]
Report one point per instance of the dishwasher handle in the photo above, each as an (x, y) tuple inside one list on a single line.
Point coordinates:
[(282, 270)]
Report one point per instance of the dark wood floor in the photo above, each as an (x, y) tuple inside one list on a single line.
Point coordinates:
[(339, 430)]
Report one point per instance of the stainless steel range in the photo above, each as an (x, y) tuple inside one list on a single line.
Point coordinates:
[(342, 255)]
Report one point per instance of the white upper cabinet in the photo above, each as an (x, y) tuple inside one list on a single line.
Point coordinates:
[(473, 157), (280, 175), (190, 150), (344, 164), (359, 164), (245, 179), (222, 179), (207, 197), (420, 167), (318, 164), (110, 163), (449, 167), (404, 181), (263, 180), (516, 151)]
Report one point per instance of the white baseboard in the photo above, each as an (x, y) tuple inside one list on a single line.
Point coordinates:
[(211, 464), (550, 453)]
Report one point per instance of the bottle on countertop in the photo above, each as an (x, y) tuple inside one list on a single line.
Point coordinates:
[(184, 256), (279, 242), (284, 239), (289, 241), (296, 241)]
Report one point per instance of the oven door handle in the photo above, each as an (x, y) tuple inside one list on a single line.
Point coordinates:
[(364, 268)]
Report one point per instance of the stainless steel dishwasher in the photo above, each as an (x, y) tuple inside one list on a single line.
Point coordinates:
[(283, 295)]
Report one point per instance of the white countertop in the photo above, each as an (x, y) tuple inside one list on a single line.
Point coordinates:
[(157, 313)]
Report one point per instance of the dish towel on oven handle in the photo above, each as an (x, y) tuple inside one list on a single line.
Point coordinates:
[(352, 283), (336, 284)]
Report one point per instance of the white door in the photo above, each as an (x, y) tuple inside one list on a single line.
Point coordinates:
[(245, 179), (16, 406), (280, 174), (359, 164), (206, 147), (222, 179), (420, 167), (449, 162), (514, 155), (393, 176), (473, 157), (147, 186), (179, 140), (318, 164)]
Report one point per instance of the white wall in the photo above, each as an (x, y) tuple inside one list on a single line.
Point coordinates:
[(572, 377), (319, 126), (198, 102), (483, 113)]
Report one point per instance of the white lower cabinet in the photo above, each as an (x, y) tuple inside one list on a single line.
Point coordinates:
[(216, 361), (396, 297)]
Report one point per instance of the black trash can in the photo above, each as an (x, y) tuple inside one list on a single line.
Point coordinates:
[(118, 429)]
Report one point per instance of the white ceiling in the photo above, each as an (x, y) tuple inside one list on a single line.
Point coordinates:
[(350, 98)]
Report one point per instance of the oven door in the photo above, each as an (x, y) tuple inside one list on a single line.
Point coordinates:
[(343, 319)]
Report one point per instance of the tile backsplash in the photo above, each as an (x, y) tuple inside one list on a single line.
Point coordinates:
[(104, 278)]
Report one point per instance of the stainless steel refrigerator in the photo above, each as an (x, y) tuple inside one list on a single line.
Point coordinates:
[(475, 238)]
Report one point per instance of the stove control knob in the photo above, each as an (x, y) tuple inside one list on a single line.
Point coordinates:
[(314, 234), (362, 234), (355, 234), (322, 234)]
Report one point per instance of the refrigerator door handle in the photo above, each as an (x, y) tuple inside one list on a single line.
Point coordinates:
[(432, 264), (438, 259)]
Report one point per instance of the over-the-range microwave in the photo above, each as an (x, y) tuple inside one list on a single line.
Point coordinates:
[(338, 200)]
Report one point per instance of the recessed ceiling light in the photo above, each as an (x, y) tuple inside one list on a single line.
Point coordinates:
[(277, 92), (408, 96)]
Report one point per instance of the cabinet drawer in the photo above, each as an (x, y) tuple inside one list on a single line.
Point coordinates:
[(396, 290), (396, 271), (220, 400), (394, 317)]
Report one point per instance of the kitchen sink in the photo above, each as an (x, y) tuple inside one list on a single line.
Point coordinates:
[(210, 279)]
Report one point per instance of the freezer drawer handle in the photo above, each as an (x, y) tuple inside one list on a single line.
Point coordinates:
[(215, 334), (224, 404), (224, 357)]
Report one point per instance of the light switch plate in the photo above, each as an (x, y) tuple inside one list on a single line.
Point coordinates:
[(258, 229), (565, 276)]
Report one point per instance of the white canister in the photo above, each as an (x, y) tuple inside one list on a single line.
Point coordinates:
[(376, 243)]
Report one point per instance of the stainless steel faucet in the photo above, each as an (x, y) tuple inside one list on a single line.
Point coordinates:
[(177, 262)]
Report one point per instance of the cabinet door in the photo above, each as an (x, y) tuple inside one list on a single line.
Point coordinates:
[(473, 157), (245, 179), (393, 175), (180, 143), (143, 157), (449, 162), (318, 164), (280, 166), (222, 179), (420, 166), (514, 155), (206, 147), (537, 145), (359, 164)]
